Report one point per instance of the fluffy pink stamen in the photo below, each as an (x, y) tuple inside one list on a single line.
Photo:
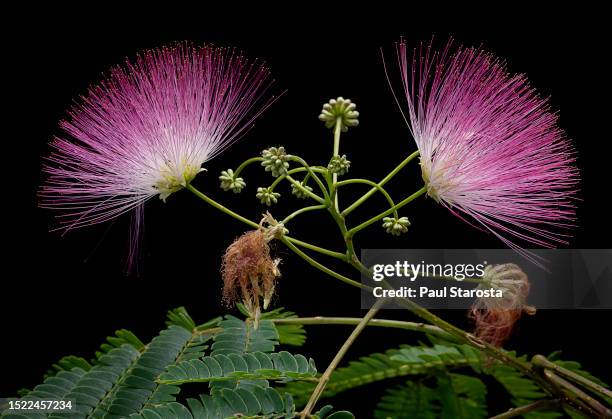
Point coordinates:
[(148, 127), (491, 149)]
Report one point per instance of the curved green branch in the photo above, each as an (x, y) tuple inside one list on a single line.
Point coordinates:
[(303, 210), (246, 163), (371, 183), (386, 179), (380, 216)]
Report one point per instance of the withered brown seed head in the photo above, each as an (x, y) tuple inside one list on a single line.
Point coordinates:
[(248, 271), (494, 318)]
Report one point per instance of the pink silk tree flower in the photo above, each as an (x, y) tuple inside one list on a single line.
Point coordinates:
[(147, 129), (491, 150)]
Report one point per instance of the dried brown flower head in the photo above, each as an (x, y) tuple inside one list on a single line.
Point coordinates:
[(249, 272), (495, 318)]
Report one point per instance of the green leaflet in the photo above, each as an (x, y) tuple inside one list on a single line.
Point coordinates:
[(521, 389), (70, 362), (58, 386), (121, 337), (288, 334), (240, 337), (255, 403), (180, 317), (248, 366), (122, 379), (259, 402), (412, 400), (455, 396), (137, 388), (407, 360), (92, 385)]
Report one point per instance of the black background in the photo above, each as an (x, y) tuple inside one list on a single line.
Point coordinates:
[(63, 295)]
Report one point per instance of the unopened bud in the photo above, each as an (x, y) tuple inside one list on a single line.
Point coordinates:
[(396, 226), (231, 182), (342, 110), (276, 161), (339, 165), (267, 196)]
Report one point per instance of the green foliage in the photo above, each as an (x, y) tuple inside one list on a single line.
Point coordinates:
[(240, 337), (255, 402), (407, 360), (122, 337), (288, 334), (237, 362), (249, 366), (575, 367), (412, 400), (180, 317), (128, 378), (454, 396), (68, 363), (58, 385)]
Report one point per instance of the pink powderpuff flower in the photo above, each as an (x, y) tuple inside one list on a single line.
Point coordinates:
[(490, 147), (148, 128)]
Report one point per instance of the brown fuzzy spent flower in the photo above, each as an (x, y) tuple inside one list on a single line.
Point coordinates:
[(495, 318), (249, 272)]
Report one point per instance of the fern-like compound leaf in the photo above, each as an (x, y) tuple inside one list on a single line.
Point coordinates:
[(239, 337), (454, 396), (255, 402), (281, 366), (407, 360)]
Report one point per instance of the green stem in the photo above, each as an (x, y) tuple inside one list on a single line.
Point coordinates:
[(311, 171), (325, 377), (320, 266), (306, 191), (543, 362), (386, 179), (337, 132), (303, 210), (531, 407), (246, 163), (388, 323), (318, 249), (376, 187), (374, 219), (578, 398), (253, 224), (220, 207), (297, 170)]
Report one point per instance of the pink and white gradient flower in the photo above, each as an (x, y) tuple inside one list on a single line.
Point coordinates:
[(490, 147), (149, 127)]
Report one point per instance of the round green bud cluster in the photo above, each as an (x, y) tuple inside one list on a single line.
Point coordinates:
[(299, 192), (231, 182), (342, 109), (339, 165), (396, 226), (276, 160), (267, 196)]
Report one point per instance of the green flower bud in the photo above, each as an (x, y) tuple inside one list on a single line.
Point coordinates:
[(339, 165), (231, 182), (299, 192), (276, 160), (340, 108), (396, 226), (267, 196)]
